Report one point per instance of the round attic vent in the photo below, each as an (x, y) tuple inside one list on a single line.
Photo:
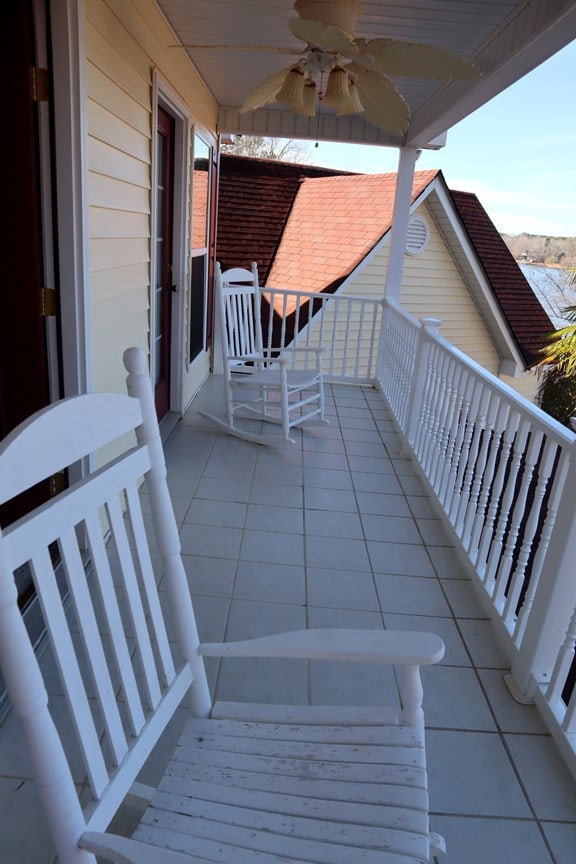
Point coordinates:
[(417, 235)]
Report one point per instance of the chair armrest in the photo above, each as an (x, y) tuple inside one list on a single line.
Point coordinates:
[(405, 649), (397, 647), (124, 850), (266, 358), (318, 349), (245, 357), (277, 353)]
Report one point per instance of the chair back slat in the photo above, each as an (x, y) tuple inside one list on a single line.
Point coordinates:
[(116, 595), (240, 323), (66, 660), (113, 621), (135, 608), (93, 649), (149, 587)]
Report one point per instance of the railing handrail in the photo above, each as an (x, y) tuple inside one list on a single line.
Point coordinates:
[(544, 421), (504, 473), (322, 295)]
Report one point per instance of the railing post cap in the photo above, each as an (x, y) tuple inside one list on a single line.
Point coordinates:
[(432, 325)]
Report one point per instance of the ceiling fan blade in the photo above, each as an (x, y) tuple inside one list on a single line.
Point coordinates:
[(265, 92), (414, 60), (325, 36), (265, 49), (384, 107)]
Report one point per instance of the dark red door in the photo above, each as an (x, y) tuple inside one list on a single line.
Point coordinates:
[(163, 278), (23, 367), (24, 386)]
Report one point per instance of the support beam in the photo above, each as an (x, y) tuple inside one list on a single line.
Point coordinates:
[(401, 214)]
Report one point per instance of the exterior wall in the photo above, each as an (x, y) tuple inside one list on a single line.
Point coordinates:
[(126, 42), (432, 286), (525, 384)]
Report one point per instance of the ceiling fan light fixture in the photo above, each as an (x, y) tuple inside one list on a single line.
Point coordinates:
[(291, 93), (363, 86)]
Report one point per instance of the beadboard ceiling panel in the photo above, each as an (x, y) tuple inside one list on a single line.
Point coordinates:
[(503, 38)]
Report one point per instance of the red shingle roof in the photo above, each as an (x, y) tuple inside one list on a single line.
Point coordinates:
[(333, 224), (525, 315), (309, 227), (254, 201)]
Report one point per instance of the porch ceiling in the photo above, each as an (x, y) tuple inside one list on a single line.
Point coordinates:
[(504, 38)]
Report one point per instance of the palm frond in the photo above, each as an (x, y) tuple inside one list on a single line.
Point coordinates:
[(561, 348)]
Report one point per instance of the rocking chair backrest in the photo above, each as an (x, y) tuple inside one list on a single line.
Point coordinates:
[(238, 298), (108, 635)]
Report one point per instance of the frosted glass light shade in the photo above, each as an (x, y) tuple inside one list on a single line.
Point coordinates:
[(342, 93), (355, 101), (291, 93), (337, 89), (309, 99)]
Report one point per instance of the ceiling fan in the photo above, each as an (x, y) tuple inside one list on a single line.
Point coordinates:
[(346, 73)]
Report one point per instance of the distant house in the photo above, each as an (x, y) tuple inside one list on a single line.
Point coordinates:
[(321, 230)]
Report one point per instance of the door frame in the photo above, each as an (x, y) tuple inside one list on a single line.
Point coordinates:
[(201, 251), (165, 96), (67, 19)]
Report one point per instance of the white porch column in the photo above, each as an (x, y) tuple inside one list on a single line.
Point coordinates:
[(400, 216)]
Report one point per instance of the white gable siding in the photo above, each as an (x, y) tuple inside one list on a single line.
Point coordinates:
[(126, 41), (433, 287), (526, 384)]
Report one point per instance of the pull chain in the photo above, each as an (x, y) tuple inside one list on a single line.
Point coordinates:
[(320, 97)]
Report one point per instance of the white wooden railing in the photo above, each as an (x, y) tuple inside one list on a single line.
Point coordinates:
[(502, 472), (347, 327)]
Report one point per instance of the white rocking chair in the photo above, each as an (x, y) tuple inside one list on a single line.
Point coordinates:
[(260, 382), (248, 784)]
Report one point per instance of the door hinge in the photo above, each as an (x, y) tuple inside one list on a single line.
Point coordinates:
[(40, 84), (48, 302), (57, 483)]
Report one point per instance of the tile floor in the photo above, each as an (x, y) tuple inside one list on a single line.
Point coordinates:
[(336, 531)]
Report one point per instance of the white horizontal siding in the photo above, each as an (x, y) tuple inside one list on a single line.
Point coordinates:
[(126, 42), (108, 254), (110, 374), (106, 128), (118, 223), (433, 287), (121, 280), (109, 192), (526, 384), (106, 92), (118, 311), (111, 57)]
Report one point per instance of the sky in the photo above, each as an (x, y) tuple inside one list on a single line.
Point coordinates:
[(517, 153)]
